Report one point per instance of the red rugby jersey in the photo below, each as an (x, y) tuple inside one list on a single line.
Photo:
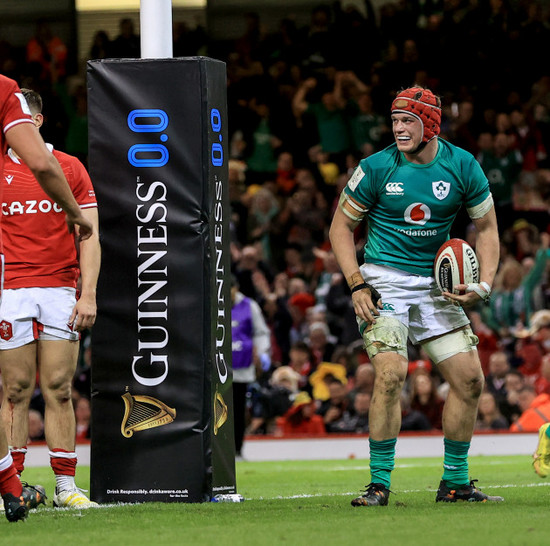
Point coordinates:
[(38, 248), (13, 110)]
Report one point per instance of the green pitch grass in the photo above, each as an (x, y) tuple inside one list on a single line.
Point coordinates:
[(308, 503)]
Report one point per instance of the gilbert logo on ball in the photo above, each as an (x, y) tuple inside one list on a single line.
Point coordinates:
[(455, 263)]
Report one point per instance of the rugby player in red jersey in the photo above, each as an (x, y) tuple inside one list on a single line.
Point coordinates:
[(18, 131), (41, 317)]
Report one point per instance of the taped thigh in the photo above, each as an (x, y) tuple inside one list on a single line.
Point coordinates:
[(387, 334), (461, 341)]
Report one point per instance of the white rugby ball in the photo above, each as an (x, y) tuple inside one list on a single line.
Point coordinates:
[(455, 263)]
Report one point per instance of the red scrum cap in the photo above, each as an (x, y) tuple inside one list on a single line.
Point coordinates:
[(423, 105)]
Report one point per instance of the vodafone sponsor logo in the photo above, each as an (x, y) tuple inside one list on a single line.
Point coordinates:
[(394, 188), (417, 214), (30, 207)]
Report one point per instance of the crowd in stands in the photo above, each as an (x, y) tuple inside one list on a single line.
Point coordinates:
[(305, 104)]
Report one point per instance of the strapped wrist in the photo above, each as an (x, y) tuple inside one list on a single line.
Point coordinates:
[(360, 286)]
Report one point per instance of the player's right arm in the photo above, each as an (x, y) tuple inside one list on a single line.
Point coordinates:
[(25, 139), (343, 246)]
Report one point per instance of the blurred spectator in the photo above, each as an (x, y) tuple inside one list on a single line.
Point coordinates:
[(279, 322), (464, 133), (533, 344), (495, 382), (321, 341), (501, 163), (285, 173), (301, 418), (304, 216), (528, 140), (539, 331), (126, 45), (323, 376), (368, 127), (36, 426), (333, 408), (489, 341), (329, 272), (542, 382), (101, 45), (489, 416), (535, 410), (363, 380), (83, 414), (340, 311), (75, 102), (298, 304), (412, 419), (261, 143), (250, 271), (47, 50), (325, 102), (355, 418), (301, 361), (425, 399), (511, 302), (509, 407), (523, 239), (250, 351), (274, 400), (264, 208)]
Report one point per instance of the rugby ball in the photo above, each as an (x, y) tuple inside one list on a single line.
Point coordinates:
[(455, 263)]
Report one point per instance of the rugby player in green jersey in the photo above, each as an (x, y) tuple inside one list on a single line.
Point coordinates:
[(410, 193)]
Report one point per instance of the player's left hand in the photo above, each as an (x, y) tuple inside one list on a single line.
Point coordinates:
[(465, 295), (84, 314)]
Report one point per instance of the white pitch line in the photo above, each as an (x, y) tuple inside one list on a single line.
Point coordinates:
[(311, 496), (78, 512)]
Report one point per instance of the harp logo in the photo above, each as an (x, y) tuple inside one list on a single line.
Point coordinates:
[(144, 412), (220, 412)]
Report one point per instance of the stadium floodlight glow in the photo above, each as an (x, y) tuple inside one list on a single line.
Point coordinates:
[(156, 29)]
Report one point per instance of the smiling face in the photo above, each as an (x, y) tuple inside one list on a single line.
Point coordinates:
[(407, 131)]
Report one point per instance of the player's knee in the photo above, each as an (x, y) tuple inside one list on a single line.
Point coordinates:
[(476, 384), (387, 334), (389, 383), (58, 391), (18, 391), (469, 387)]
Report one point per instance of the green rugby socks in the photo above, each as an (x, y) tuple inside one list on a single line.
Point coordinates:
[(455, 463), (382, 460)]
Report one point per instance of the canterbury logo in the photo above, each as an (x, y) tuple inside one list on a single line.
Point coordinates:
[(9, 178), (394, 188)]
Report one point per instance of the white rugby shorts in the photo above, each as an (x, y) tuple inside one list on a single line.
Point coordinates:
[(415, 301), (27, 314)]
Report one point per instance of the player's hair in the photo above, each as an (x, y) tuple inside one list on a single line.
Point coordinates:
[(34, 100)]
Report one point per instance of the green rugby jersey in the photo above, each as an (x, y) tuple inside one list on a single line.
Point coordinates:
[(411, 207)]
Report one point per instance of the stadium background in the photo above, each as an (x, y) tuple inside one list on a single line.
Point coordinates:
[(508, 82)]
